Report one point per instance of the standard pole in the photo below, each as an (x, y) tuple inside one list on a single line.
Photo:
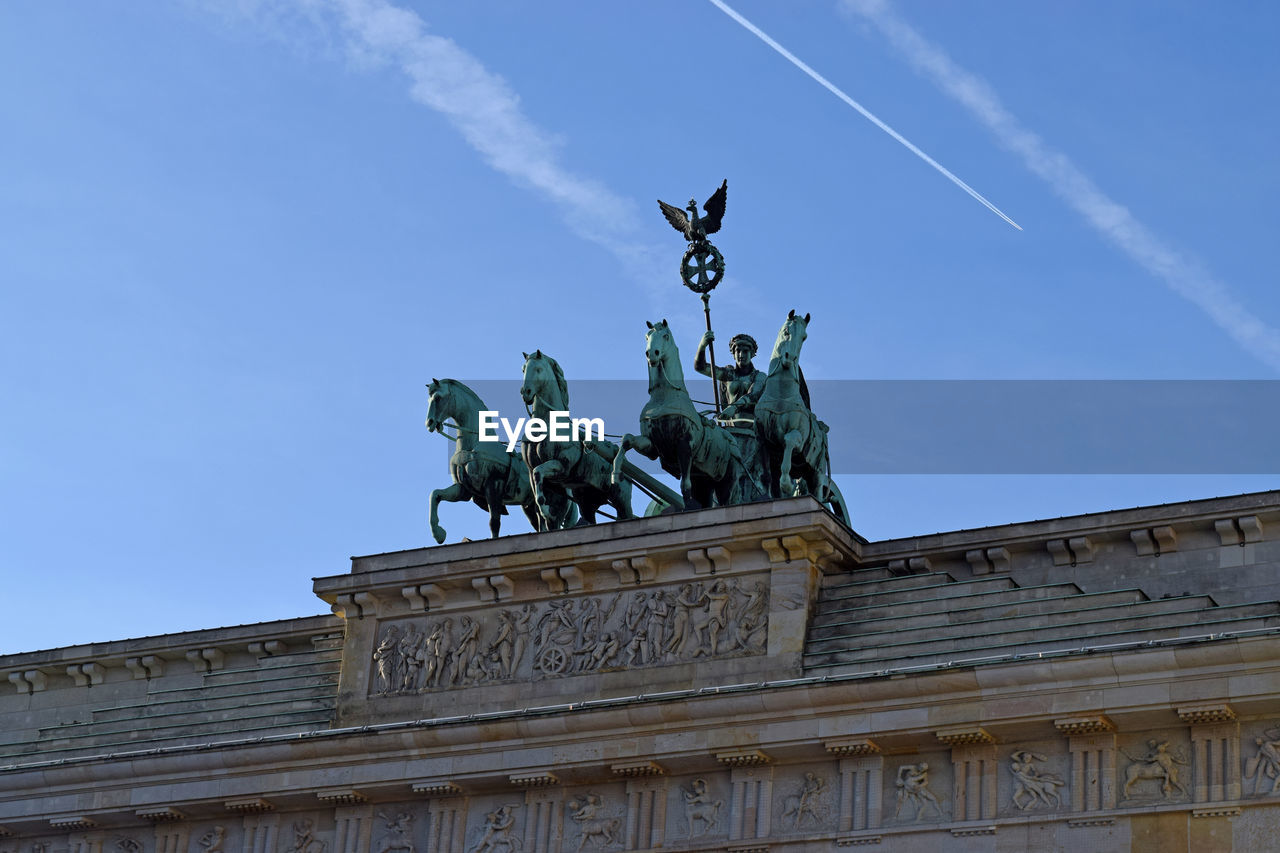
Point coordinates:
[(711, 351)]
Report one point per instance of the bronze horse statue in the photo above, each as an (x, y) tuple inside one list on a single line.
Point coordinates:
[(793, 439), (698, 451), (555, 466), (482, 471)]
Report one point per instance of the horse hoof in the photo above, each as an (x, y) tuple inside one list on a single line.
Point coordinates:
[(437, 533), (691, 504)]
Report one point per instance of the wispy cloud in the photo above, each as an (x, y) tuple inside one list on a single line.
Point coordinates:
[(485, 110), (483, 107), (1114, 221)]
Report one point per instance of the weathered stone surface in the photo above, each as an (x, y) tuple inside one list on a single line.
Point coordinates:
[(803, 689)]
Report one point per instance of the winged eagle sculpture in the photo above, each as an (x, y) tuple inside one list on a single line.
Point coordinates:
[(696, 228)]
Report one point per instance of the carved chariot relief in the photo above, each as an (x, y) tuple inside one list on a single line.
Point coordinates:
[(571, 636)]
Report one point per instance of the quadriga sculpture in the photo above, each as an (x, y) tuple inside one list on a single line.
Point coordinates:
[(556, 466), (483, 472), (794, 440), (701, 453)]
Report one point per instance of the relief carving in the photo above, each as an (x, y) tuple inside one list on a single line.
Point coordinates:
[(806, 803), (211, 841), (593, 828), (701, 811), (1266, 764), (304, 838), (397, 830), (1160, 765), (498, 825), (1031, 785), (913, 789), (630, 629)]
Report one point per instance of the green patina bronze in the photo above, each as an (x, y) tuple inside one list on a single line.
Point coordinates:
[(764, 440), (565, 467), (701, 453), (702, 265), (792, 439), (482, 471)]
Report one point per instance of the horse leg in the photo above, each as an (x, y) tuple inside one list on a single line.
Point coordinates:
[(587, 506), (684, 458), (620, 499), (549, 470), (790, 442), (623, 447), (450, 494), (531, 513), (493, 494)]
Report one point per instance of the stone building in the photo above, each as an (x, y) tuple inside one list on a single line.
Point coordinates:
[(746, 679)]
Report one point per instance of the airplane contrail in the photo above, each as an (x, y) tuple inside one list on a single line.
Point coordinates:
[(867, 114), (1110, 218)]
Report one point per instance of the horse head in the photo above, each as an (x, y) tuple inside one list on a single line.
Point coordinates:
[(791, 337), (437, 404), (663, 356), (658, 343), (543, 379)]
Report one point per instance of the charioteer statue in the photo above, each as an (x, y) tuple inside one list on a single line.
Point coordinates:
[(740, 384)]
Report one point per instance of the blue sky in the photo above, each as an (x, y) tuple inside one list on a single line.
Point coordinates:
[(239, 237)]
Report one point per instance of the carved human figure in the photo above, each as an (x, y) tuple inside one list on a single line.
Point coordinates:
[(433, 655), (465, 649), (1158, 764), (601, 831), (497, 831), (637, 614), (304, 838), (689, 599), (715, 620), (558, 625), (805, 803), (1266, 763), (588, 622), (604, 651), (504, 642), (211, 841), (476, 670), (751, 619), (410, 658), (386, 660), (638, 649), (740, 384), (659, 612), (913, 788), (701, 811), (1031, 785), (522, 625), (397, 833)]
